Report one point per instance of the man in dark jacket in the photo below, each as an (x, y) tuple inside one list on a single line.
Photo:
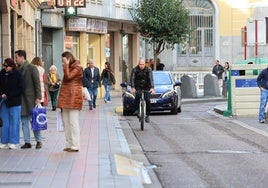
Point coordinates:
[(30, 98), (142, 79), (262, 81), (92, 80), (218, 71)]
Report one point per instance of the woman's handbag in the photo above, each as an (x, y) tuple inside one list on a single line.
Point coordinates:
[(56, 86), (60, 124), (39, 118)]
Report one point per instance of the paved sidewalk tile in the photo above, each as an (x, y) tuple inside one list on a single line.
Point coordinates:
[(93, 166)]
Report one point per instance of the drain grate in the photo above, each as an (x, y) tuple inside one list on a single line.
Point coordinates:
[(14, 172), (16, 184)]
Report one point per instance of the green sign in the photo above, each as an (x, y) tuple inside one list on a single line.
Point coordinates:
[(70, 11)]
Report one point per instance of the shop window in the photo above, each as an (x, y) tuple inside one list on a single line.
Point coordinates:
[(71, 44)]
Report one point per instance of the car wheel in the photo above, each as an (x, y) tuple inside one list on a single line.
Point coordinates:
[(174, 111), (127, 113), (179, 109)]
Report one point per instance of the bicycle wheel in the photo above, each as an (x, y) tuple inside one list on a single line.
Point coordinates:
[(142, 118)]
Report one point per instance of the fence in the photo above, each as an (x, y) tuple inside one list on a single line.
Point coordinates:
[(197, 76)]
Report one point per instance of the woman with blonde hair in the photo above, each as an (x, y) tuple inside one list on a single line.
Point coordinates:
[(53, 82)]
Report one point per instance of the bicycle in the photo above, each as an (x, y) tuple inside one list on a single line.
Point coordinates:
[(142, 109)]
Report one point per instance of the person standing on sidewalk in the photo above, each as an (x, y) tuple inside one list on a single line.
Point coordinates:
[(107, 77), (92, 80), (71, 100), (262, 81), (218, 71), (53, 82), (11, 89), (37, 61), (30, 98)]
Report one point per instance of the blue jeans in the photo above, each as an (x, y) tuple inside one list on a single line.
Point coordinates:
[(263, 102), (93, 91), (11, 126), (25, 121), (107, 95)]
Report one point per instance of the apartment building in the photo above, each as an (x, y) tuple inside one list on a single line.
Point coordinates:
[(103, 30)]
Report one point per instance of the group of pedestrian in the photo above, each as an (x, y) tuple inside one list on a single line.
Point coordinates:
[(23, 85), (152, 63), (92, 79), (21, 89), (222, 73)]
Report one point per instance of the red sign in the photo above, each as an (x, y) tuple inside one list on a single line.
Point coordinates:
[(70, 3)]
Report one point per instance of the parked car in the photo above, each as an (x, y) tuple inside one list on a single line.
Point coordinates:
[(167, 96)]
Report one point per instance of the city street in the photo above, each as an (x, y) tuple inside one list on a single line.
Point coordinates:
[(199, 148)]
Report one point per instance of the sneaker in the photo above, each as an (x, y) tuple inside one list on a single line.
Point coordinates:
[(26, 146), (72, 150), (109, 101), (262, 121), (105, 100), (12, 146), (38, 145), (4, 146), (147, 119)]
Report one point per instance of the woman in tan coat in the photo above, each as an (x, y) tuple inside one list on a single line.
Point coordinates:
[(71, 100)]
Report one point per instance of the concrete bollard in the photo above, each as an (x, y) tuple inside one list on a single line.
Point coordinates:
[(224, 88), (211, 86), (188, 88)]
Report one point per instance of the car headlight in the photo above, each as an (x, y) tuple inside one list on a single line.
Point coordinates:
[(168, 94), (129, 95)]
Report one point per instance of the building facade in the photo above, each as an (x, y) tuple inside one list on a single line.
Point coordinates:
[(218, 34), (103, 30), (18, 27)]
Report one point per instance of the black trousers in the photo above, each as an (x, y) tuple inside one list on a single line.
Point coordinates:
[(147, 97)]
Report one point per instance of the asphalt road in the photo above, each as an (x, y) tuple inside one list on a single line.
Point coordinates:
[(199, 148)]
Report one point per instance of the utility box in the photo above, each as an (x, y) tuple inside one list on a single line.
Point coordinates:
[(244, 93)]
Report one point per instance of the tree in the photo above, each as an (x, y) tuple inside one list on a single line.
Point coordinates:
[(162, 23)]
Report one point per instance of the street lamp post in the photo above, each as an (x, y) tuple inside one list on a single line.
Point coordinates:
[(256, 38)]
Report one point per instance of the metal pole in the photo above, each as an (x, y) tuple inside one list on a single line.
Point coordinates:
[(245, 42), (256, 38)]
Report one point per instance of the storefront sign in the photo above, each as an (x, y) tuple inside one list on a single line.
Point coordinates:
[(70, 3), (77, 24), (97, 26), (87, 25)]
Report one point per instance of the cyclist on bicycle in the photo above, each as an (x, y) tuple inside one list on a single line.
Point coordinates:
[(142, 79)]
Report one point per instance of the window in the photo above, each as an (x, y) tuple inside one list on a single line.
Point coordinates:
[(71, 44), (201, 40)]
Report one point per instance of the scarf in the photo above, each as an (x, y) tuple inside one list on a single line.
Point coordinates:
[(53, 77)]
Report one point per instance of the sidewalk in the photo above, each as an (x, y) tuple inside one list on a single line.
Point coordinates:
[(251, 123), (104, 153), (104, 159)]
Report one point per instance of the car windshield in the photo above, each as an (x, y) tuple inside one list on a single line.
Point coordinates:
[(162, 78)]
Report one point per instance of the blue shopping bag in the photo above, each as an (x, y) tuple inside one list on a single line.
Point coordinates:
[(39, 118)]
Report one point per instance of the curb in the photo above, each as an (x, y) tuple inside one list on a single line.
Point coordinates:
[(119, 109)]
